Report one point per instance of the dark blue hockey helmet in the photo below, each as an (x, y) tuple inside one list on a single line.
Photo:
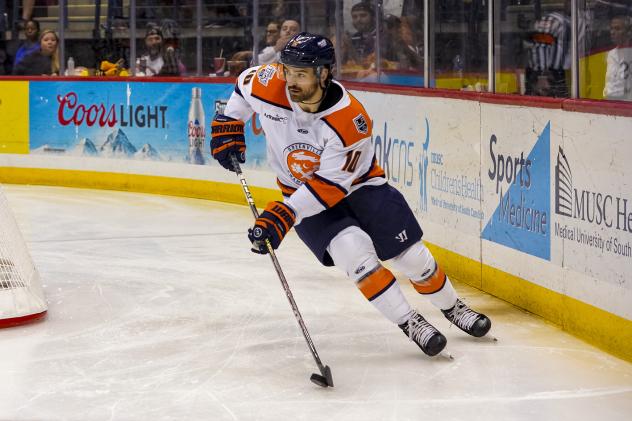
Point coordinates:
[(308, 50)]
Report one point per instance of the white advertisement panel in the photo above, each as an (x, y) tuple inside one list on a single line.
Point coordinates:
[(592, 208), (558, 199), (516, 167), (430, 150)]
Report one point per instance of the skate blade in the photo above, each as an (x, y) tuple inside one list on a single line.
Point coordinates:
[(446, 354), (489, 338)]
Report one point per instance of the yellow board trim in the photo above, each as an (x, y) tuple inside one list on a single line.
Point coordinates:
[(14, 117), (171, 186), (598, 327), (605, 330)]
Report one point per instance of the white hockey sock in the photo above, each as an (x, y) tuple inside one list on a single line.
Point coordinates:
[(445, 298), (352, 251), (426, 276), (393, 305)]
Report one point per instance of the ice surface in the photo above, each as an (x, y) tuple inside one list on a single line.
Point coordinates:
[(159, 311)]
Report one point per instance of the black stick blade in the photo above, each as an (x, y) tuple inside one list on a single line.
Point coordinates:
[(330, 379), (319, 380), (323, 380)]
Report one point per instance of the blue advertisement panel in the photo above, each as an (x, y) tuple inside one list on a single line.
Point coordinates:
[(156, 121), (522, 219)]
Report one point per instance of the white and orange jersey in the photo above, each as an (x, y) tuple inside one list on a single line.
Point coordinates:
[(319, 158)]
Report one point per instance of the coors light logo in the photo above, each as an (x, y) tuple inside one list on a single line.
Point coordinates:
[(72, 111)]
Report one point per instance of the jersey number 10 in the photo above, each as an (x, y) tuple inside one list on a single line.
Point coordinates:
[(352, 161)]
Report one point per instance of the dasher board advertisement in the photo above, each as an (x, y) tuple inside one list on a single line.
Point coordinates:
[(558, 195), (156, 121), (430, 150), (542, 194)]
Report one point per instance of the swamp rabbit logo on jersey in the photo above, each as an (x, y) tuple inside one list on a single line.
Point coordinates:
[(302, 161)]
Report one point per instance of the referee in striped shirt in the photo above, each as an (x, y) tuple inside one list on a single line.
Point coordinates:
[(549, 55)]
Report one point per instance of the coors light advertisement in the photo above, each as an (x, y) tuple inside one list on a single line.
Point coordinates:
[(157, 121)]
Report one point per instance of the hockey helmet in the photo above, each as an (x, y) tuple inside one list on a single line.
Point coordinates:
[(308, 50)]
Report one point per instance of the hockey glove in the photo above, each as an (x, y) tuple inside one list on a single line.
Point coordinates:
[(273, 223), (227, 138)]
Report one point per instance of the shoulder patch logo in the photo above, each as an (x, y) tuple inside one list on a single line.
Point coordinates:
[(361, 124), (265, 74)]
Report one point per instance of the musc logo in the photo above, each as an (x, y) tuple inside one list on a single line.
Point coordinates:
[(595, 207)]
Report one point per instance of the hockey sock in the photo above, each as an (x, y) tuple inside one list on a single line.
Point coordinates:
[(382, 290), (352, 251), (426, 276)]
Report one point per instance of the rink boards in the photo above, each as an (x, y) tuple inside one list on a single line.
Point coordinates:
[(532, 204)]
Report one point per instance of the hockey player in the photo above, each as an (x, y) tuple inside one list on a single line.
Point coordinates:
[(335, 193)]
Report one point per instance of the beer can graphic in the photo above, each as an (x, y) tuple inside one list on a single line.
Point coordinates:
[(196, 128)]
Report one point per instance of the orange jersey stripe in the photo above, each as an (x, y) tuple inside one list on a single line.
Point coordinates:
[(374, 171), (285, 190), (373, 285), (351, 123), (431, 285), (328, 193), (273, 91)]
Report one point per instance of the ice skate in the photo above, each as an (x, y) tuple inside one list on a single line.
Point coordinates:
[(425, 335), (468, 320)]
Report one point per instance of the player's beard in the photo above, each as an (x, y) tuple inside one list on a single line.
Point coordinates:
[(309, 95)]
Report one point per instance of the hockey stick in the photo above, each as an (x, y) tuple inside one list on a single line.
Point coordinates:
[(323, 379)]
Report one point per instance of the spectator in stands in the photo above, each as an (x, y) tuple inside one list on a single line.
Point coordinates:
[(412, 42), (363, 20), (267, 54), (271, 54), (44, 61), (160, 60), (549, 54), (30, 44), (361, 60), (403, 50), (619, 61)]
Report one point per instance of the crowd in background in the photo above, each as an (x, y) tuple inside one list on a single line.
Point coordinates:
[(377, 40)]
